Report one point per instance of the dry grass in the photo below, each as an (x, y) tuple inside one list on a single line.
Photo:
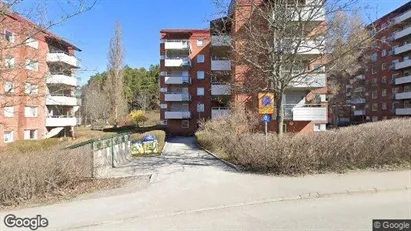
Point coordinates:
[(373, 145)]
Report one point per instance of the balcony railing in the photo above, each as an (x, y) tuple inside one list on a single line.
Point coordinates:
[(177, 80), (219, 41), (61, 121), (220, 112), (307, 13), (61, 79), (308, 112), (177, 97), (63, 58), (403, 17), (177, 44), (177, 61), (403, 95), (402, 33), (402, 111), (220, 89), (402, 49), (61, 99), (403, 64), (314, 80), (221, 65), (358, 101), (402, 80), (177, 115)]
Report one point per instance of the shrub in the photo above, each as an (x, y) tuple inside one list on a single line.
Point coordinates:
[(377, 144), (41, 174), (138, 116)]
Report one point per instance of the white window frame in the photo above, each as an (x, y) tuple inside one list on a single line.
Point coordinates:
[(384, 106), (31, 89), (11, 138), (32, 65), (9, 112), (200, 91), (12, 37), (374, 108), (27, 134), (163, 106), (28, 111), (320, 127), (200, 42), (9, 87), (200, 75), (384, 92), (32, 42), (200, 58), (374, 96), (383, 53), (10, 62)]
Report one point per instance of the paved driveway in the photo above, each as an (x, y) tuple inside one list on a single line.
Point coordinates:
[(189, 186)]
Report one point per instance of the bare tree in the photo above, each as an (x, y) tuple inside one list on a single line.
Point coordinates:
[(115, 79), (95, 104), (275, 44)]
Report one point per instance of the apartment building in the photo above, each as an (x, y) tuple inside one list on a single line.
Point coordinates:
[(198, 75), (38, 82), (382, 90)]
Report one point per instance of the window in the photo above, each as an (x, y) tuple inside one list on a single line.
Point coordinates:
[(373, 70), (185, 123), (200, 74), (200, 91), (200, 42), (384, 79), (10, 63), (406, 73), (383, 53), (384, 106), (383, 66), (31, 42), (30, 134), (374, 57), (384, 39), (384, 92), (163, 89), (200, 59), (8, 137), (374, 94), (30, 111), (8, 87), (200, 107), (32, 65), (9, 36), (31, 89), (366, 106), (395, 89), (374, 107), (8, 112), (163, 106)]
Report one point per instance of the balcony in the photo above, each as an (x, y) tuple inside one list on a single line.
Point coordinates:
[(315, 80), (403, 64), (63, 100), (61, 79), (402, 49), (402, 33), (307, 112), (220, 41), (358, 101), (177, 97), (403, 111), (176, 45), (220, 112), (311, 48), (61, 121), (308, 13), (177, 115), (177, 80), (359, 113), (402, 80), (63, 58), (220, 89), (221, 65), (403, 95), (177, 61), (403, 17)]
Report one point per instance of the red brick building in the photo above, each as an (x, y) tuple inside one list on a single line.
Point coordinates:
[(38, 82)]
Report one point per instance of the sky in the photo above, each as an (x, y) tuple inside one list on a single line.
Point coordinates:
[(142, 21)]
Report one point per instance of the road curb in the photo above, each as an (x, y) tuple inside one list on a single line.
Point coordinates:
[(238, 169)]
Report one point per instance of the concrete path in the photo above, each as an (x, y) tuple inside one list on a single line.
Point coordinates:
[(191, 185)]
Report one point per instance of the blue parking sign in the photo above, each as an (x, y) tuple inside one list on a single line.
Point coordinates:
[(266, 118)]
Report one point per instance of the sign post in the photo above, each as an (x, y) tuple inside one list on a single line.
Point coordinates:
[(266, 109)]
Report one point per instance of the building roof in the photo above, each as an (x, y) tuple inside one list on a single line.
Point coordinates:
[(48, 33), (400, 9), (185, 31)]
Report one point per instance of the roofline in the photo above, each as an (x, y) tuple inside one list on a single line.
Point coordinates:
[(185, 31), (20, 18), (399, 9)]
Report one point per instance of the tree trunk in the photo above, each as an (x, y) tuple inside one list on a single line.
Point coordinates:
[(280, 115)]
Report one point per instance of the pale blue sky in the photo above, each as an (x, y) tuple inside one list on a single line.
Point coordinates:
[(142, 20)]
